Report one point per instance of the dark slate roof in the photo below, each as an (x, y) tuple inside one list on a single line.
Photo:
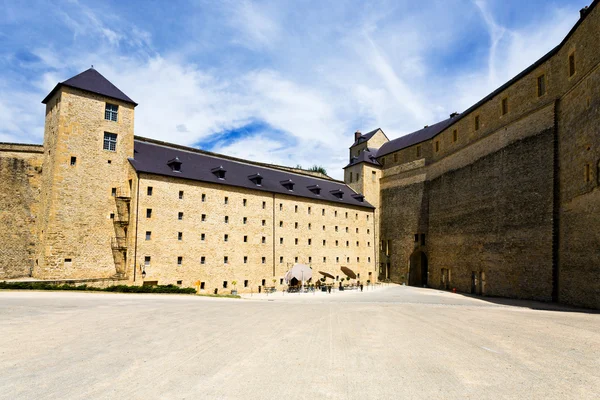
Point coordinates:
[(415, 137), (152, 156), (365, 137), (92, 81), (367, 155)]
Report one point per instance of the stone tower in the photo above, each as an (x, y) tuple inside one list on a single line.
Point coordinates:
[(363, 173), (86, 180)]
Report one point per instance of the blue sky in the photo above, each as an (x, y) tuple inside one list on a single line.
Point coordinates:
[(274, 81)]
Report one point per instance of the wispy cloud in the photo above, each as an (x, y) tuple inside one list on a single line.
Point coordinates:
[(272, 81)]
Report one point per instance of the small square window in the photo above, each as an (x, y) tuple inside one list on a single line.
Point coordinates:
[(73, 160), (179, 283), (148, 213), (202, 260), (149, 191), (180, 236), (147, 261), (180, 194), (112, 215), (110, 141), (180, 215), (179, 260), (111, 112), (148, 235)]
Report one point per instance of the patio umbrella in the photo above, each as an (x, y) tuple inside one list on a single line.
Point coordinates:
[(327, 275), (299, 271), (349, 273)]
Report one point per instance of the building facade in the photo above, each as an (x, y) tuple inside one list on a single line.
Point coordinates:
[(503, 199)]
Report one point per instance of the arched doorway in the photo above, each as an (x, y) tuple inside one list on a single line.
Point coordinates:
[(418, 272)]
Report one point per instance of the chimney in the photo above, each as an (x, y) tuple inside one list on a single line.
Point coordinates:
[(454, 114), (583, 11), (357, 134)]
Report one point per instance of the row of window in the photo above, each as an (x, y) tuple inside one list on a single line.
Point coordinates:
[(150, 190), (263, 239), (351, 178), (148, 260)]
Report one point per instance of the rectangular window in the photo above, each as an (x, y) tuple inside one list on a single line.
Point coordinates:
[(323, 211), (295, 225), (309, 242), (588, 173), (422, 239), (180, 215), (149, 191), (541, 85), (225, 260), (202, 260), (337, 259), (336, 243), (179, 235), (111, 112), (226, 200), (571, 64), (347, 243), (263, 282), (395, 157), (226, 219), (113, 192), (346, 214), (148, 213), (246, 283), (281, 224), (309, 226), (244, 201), (148, 235), (336, 228), (419, 151), (295, 208), (181, 195), (296, 259), (264, 240), (324, 242), (147, 261), (382, 160), (73, 160), (280, 240), (112, 215), (324, 259), (309, 210), (245, 259), (264, 222), (202, 285), (505, 106), (226, 238), (296, 241), (179, 260), (477, 124), (244, 220), (264, 205), (245, 239), (280, 206), (203, 217), (335, 213), (437, 146), (110, 141), (202, 237), (454, 136), (264, 260), (373, 176), (203, 197), (225, 283), (281, 260)]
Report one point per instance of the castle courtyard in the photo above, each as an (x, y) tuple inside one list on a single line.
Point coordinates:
[(392, 342)]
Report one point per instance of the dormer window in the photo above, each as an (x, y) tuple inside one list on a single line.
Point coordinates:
[(288, 184), (315, 189), (219, 172), (175, 164), (256, 179), (358, 197), (337, 193)]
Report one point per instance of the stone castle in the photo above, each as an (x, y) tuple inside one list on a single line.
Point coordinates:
[(502, 199)]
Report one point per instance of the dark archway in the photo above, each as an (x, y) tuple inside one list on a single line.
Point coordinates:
[(418, 272)]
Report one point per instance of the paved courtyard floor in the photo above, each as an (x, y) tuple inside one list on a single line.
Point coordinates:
[(391, 343)]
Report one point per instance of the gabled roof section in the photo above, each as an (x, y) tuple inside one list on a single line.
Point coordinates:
[(92, 81), (367, 156), (413, 138), (151, 157), (367, 136)]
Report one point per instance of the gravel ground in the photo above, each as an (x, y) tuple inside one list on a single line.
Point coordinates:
[(389, 343)]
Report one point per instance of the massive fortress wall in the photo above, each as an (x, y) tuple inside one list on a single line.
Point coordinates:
[(20, 174), (510, 207)]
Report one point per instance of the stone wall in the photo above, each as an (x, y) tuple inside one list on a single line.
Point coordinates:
[(20, 174)]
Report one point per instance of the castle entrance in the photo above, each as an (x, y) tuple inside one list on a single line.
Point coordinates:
[(418, 272)]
